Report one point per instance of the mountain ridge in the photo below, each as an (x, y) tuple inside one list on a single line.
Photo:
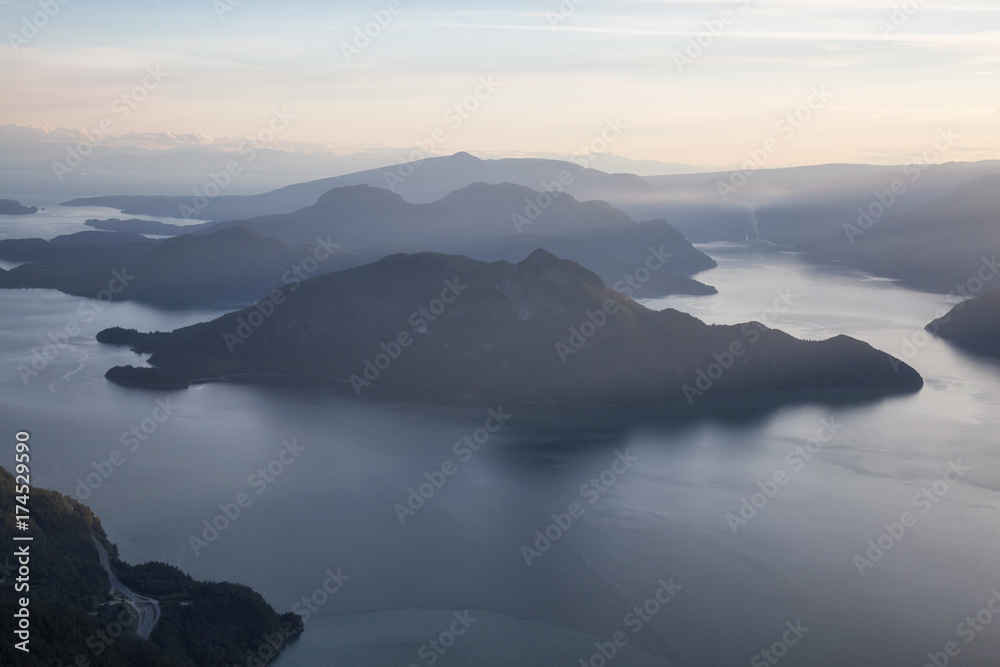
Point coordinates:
[(544, 330), (491, 222)]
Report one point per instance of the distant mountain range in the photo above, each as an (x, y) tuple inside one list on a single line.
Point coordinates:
[(488, 222), (819, 210), (706, 206), (939, 246), (803, 208), (26, 165), (787, 206), (617, 164), (227, 268), (544, 331), (421, 182)]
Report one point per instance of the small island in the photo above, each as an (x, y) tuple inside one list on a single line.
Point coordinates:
[(13, 207), (146, 377)]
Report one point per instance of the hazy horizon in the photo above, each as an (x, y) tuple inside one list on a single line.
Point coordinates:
[(533, 77)]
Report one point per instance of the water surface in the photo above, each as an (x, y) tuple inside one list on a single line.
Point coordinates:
[(664, 519)]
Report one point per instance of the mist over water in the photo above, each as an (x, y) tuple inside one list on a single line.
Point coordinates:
[(664, 518)]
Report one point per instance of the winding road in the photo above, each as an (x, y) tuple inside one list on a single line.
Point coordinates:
[(147, 608)]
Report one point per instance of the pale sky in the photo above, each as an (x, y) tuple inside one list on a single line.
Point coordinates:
[(891, 91)]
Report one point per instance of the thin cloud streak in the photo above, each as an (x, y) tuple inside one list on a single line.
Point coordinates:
[(992, 38)]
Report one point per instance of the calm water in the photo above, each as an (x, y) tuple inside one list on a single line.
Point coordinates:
[(664, 517), (54, 220)]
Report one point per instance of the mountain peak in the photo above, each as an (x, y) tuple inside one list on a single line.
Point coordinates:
[(491, 193), (542, 257), (552, 269), (357, 194)]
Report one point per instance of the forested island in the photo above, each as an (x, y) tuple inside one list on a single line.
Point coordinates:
[(545, 330)]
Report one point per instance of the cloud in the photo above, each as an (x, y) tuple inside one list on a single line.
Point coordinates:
[(152, 140), (172, 140), (962, 39)]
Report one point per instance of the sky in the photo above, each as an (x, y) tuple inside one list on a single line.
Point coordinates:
[(693, 82)]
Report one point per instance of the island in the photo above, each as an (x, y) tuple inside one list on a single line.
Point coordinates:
[(543, 331), (13, 207)]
